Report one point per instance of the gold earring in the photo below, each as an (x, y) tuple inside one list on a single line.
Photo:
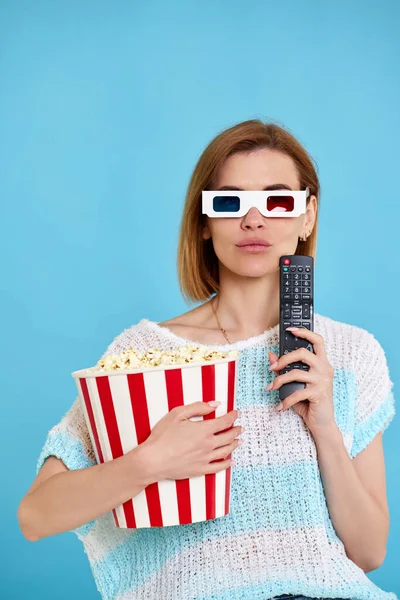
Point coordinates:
[(303, 238)]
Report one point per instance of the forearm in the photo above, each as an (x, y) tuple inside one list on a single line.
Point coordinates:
[(357, 518), (73, 498)]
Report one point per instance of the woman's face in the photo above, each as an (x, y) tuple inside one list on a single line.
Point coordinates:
[(257, 170)]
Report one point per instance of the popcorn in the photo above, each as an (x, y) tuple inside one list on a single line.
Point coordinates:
[(154, 357)]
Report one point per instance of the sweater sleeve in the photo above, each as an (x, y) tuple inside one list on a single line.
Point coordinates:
[(375, 406), (70, 441)]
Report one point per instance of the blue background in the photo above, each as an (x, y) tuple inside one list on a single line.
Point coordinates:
[(105, 108)]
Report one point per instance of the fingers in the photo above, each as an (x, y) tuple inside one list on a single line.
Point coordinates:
[(225, 451), (315, 338), (293, 375), (221, 465), (221, 423), (221, 439), (194, 409)]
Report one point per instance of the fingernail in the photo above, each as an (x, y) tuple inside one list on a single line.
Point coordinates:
[(292, 328), (269, 386), (279, 407), (214, 403), (273, 366), (239, 412)]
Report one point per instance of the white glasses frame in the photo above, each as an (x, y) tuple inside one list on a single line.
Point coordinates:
[(250, 198)]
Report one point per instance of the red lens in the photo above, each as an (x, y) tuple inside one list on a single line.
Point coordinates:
[(280, 203)]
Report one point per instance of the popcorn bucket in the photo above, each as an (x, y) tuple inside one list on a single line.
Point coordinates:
[(121, 407)]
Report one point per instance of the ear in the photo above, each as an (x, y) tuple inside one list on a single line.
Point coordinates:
[(206, 234), (311, 211)]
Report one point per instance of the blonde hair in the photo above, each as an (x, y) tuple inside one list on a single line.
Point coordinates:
[(197, 263)]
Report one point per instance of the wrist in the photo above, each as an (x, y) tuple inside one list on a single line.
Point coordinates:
[(329, 434), (141, 462)]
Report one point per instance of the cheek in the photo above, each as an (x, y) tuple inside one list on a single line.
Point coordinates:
[(285, 229), (224, 231)]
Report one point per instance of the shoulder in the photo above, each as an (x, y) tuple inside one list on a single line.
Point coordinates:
[(351, 346), (348, 334), (131, 337), (328, 327), (146, 333), (196, 319)]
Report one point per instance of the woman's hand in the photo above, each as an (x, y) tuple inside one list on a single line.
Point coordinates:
[(314, 403), (180, 448)]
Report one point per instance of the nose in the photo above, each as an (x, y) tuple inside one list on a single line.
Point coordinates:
[(253, 218)]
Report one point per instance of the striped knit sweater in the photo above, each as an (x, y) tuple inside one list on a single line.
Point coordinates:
[(278, 537)]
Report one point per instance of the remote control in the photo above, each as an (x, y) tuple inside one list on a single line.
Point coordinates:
[(296, 310)]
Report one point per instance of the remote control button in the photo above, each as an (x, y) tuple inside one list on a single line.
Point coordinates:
[(300, 269), (306, 297), (308, 269), (292, 268), (289, 341)]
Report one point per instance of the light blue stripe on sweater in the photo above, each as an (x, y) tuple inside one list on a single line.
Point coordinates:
[(285, 482), (251, 390), (377, 421)]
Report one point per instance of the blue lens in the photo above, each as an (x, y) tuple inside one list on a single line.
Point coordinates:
[(226, 203)]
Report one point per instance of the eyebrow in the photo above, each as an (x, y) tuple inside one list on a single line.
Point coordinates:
[(275, 186)]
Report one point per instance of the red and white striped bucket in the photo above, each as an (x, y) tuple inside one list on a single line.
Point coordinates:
[(122, 407)]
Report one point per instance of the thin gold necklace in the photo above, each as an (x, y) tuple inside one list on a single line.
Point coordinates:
[(219, 324)]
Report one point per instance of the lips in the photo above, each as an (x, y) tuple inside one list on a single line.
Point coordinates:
[(253, 242)]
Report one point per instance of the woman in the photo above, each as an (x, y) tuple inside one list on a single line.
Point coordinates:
[(309, 515)]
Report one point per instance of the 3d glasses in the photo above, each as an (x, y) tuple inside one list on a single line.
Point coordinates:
[(276, 203)]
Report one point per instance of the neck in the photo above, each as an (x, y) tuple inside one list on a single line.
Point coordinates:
[(248, 306)]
